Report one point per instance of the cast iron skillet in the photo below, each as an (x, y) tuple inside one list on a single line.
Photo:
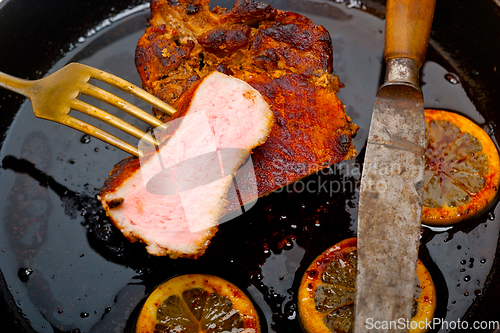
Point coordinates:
[(35, 34)]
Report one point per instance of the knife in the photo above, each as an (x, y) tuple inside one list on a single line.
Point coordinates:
[(390, 200)]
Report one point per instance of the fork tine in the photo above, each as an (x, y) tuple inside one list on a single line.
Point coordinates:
[(121, 104), (131, 89), (99, 134), (113, 121)]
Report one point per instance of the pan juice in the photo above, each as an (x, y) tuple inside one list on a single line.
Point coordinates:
[(69, 269)]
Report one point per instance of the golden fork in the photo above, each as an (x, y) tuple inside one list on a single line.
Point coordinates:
[(54, 96)]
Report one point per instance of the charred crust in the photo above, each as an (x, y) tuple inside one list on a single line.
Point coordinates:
[(223, 41), (291, 34), (115, 203), (170, 55), (268, 60), (249, 12), (223, 68), (298, 44), (341, 144), (122, 171)]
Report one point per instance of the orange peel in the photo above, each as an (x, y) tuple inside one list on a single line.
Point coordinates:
[(326, 292), (197, 303), (462, 169)]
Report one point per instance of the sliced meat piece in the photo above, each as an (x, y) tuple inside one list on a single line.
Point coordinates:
[(172, 200)]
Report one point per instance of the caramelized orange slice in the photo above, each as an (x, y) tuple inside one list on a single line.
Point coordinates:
[(198, 303), (326, 292), (461, 168)]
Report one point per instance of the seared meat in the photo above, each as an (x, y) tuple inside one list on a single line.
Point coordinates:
[(172, 200), (283, 55)]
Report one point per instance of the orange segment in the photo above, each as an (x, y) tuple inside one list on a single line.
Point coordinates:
[(198, 303), (326, 292), (461, 168)]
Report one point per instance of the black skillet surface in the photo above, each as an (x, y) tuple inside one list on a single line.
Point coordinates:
[(63, 267)]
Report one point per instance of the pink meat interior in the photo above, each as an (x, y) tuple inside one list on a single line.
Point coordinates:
[(224, 113)]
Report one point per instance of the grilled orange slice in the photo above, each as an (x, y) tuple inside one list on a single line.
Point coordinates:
[(461, 168), (326, 292), (198, 303)]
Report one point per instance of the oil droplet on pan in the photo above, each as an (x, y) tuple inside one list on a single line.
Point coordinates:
[(452, 78), (24, 274), (85, 139)]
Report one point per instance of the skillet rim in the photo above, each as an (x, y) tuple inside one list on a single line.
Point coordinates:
[(452, 21)]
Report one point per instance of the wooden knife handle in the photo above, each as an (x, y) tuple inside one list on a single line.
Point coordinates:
[(407, 28)]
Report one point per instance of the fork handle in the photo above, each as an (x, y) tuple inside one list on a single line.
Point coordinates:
[(15, 84)]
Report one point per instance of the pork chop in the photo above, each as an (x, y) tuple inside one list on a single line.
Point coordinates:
[(283, 55)]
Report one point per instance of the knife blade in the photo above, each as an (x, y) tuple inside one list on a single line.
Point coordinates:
[(390, 201)]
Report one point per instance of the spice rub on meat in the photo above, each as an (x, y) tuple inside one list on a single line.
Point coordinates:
[(282, 54)]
